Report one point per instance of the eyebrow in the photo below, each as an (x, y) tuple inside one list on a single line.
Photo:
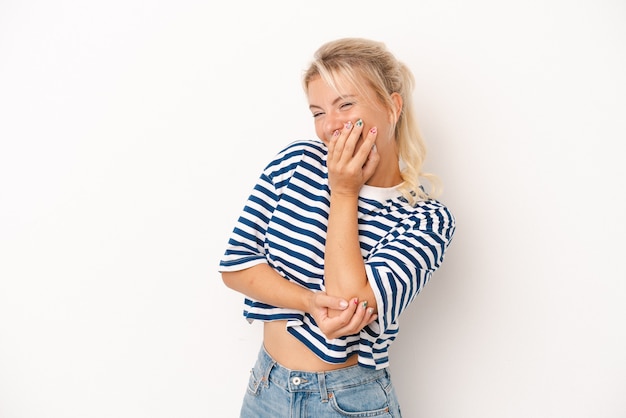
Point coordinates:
[(338, 99)]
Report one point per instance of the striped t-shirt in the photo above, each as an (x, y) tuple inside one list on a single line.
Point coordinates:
[(284, 225)]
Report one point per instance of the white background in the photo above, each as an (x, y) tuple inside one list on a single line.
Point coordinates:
[(132, 131)]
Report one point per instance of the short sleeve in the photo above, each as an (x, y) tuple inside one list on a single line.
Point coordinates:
[(399, 269), (246, 246)]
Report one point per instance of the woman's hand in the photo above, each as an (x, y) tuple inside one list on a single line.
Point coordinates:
[(352, 158), (352, 318)]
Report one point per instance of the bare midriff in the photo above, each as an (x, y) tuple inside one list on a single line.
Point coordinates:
[(292, 354)]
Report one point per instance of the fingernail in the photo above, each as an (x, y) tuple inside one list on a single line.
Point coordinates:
[(373, 130), (348, 125), (370, 311), (359, 123), (355, 301), (343, 304), (364, 304), (336, 133)]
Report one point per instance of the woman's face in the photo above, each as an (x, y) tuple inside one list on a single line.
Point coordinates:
[(332, 110)]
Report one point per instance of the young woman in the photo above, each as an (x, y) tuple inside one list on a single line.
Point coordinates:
[(335, 240)]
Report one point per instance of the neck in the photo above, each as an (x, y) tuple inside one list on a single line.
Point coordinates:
[(387, 174)]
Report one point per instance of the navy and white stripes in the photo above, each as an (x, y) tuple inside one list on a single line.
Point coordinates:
[(284, 225)]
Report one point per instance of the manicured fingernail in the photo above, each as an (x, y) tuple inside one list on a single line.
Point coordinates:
[(355, 301), (348, 125), (359, 123), (336, 133), (343, 304), (364, 304), (370, 311), (373, 130)]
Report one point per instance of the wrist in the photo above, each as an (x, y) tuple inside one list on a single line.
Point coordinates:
[(307, 301), (347, 195)]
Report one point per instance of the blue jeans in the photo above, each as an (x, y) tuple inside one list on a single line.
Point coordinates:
[(354, 391)]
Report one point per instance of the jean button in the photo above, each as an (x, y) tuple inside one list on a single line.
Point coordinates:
[(296, 380)]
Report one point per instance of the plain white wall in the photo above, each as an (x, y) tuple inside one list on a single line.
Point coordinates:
[(132, 131)]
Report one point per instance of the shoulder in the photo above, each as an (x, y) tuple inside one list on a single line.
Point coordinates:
[(430, 206), (295, 154), (302, 147), (433, 215)]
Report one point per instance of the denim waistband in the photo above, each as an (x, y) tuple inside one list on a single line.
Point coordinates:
[(301, 381)]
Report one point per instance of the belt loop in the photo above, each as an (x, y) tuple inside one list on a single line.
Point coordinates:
[(268, 370), (321, 379)]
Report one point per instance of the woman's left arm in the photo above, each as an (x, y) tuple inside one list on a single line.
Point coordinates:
[(348, 170), (344, 268)]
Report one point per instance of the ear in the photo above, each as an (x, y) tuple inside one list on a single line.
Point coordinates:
[(394, 115)]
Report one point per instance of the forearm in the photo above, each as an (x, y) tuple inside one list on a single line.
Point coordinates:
[(344, 268), (262, 283)]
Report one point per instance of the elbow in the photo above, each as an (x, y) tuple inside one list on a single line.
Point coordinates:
[(236, 280), (240, 280), (228, 279)]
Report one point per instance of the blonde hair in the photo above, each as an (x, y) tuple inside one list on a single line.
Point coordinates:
[(369, 66)]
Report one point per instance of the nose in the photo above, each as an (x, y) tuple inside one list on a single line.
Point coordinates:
[(332, 123)]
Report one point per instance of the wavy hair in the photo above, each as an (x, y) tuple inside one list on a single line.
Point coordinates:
[(371, 68)]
